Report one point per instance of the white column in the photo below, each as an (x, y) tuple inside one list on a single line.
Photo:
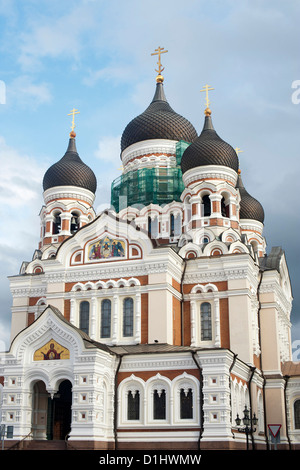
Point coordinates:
[(73, 311), (115, 314), (217, 323), (137, 333), (193, 322), (93, 317)]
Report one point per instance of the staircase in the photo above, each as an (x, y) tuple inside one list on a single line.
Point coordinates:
[(45, 445)]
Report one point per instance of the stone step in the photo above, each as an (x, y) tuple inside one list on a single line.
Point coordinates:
[(45, 445)]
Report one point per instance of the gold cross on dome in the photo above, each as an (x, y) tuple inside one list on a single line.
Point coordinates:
[(238, 150), (159, 51), (207, 88), (72, 113)]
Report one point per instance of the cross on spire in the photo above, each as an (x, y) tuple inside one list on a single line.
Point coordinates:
[(238, 150), (207, 88), (159, 51), (72, 113)]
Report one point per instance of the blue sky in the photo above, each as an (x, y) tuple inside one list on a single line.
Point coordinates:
[(95, 56)]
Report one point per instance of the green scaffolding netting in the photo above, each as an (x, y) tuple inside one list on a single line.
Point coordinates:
[(149, 185)]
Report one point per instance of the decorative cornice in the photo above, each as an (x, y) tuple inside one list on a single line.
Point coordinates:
[(148, 147), (209, 172), (69, 192)]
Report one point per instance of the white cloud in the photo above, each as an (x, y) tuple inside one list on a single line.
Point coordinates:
[(20, 179), (108, 150), (25, 92), (55, 36)]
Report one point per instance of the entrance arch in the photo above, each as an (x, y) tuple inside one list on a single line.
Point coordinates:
[(51, 416)]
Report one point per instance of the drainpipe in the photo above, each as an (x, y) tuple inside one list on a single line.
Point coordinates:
[(250, 403), (201, 417), (116, 403), (286, 377), (182, 302), (264, 379), (230, 388)]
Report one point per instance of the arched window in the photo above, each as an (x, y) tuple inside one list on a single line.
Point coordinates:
[(186, 403), (84, 316), (56, 224), (128, 317), (206, 206), (159, 404), (105, 318), (205, 315), (133, 405), (297, 414)]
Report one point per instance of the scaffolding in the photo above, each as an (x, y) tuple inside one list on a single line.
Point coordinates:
[(144, 186)]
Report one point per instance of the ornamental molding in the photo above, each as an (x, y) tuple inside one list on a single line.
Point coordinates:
[(209, 172), (114, 272), (148, 147), (41, 331), (72, 192), (151, 161), (215, 276), (142, 362), (279, 297), (29, 291)]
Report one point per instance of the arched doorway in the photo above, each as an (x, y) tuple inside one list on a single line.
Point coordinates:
[(59, 412), (51, 417)]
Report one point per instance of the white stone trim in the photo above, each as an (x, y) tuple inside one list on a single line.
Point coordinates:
[(146, 147), (207, 172), (71, 192)]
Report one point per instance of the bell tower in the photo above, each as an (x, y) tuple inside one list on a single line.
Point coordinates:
[(69, 193), (210, 170)]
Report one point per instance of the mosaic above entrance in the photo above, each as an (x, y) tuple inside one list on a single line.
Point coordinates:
[(106, 248), (51, 351)]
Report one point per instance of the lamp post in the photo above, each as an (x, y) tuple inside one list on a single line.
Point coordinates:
[(248, 422)]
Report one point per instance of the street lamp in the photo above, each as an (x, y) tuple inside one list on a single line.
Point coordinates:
[(248, 422)]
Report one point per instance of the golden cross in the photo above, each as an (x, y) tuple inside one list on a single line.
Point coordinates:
[(72, 113), (206, 89), (159, 51), (238, 150)]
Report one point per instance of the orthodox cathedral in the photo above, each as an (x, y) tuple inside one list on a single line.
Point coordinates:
[(162, 322)]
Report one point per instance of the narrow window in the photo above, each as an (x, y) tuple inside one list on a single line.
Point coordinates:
[(297, 414), (74, 223), (172, 225), (56, 224), (186, 404), (206, 206), (159, 404), (149, 226), (128, 317), (84, 316), (105, 318), (205, 314), (224, 208), (133, 405)]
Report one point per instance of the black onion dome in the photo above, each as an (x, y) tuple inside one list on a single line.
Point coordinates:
[(70, 171), (209, 149), (158, 121), (250, 208)]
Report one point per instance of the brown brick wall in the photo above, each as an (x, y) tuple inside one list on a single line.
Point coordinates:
[(176, 321), (143, 280), (30, 318), (144, 318), (147, 374), (224, 323), (186, 324), (67, 309)]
